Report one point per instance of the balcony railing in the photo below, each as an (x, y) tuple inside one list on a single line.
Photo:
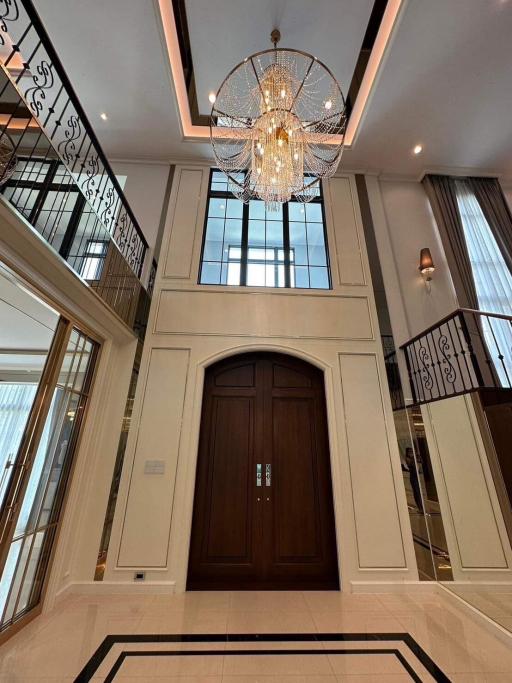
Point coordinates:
[(53, 170), (466, 351)]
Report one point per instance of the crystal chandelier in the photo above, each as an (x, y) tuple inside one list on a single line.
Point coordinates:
[(277, 126)]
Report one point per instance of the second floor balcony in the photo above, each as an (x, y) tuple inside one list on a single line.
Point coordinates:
[(54, 173)]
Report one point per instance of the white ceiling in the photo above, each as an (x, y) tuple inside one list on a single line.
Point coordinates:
[(114, 55), (447, 84), (446, 81), (27, 322), (237, 28)]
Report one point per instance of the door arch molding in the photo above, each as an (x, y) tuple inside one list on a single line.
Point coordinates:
[(270, 407), (180, 533)]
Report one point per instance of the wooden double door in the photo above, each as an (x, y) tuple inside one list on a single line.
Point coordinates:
[(263, 509)]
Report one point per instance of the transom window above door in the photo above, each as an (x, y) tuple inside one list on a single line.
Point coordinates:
[(248, 245)]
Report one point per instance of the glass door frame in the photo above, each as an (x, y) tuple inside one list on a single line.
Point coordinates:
[(27, 451)]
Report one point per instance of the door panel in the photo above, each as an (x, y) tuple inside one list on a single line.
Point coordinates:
[(224, 528), (265, 411), (228, 537), (294, 489)]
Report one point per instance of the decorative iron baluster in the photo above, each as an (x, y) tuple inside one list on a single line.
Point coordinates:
[(450, 375), (499, 356), (44, 81), (8, 12), (69, 131), (67, 148)]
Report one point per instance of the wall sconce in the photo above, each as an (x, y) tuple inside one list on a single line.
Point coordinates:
[(426, 267)]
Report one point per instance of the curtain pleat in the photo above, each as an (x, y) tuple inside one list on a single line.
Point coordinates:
[(441, 193), (494, 206), (493, 279)]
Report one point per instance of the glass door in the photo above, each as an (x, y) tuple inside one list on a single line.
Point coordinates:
[(36, 489)]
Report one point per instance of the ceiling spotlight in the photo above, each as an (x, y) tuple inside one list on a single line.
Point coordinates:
[(212, 97), (103, 116), (328, 104), (418, 149)]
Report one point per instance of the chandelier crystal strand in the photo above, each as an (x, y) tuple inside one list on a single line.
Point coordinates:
[(277, 126)]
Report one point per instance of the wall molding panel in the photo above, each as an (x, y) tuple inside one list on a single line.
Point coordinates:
[(249, 314), (184, 218), (144, 539), (380, 541), (337, 330), (347, 232), (478, 541)]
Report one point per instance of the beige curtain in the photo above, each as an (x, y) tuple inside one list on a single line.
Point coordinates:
[(495, 209), (441, 193)]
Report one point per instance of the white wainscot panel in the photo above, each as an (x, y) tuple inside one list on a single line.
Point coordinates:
[(263, 315), (461, 452), (183, 229), (147, 522), (348, 246), (379, 534)]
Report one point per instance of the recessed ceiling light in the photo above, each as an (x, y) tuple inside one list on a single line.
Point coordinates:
[(418, 149), (212, 97), (328, 104), (103, 116)]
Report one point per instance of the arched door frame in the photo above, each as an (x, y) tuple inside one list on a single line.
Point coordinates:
[(182, 539)]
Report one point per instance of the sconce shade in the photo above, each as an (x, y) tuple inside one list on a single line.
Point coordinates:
[(426, 263)]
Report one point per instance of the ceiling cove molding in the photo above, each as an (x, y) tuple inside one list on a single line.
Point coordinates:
[(505, 180), (140, 161), (192, 133), (460, 171)]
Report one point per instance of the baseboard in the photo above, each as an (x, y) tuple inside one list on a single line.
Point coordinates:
[(482, 620), (392, 586), (117, 588), (496, 586)]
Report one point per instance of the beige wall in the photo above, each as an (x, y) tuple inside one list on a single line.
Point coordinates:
[(410, 227), (475, 530), (477, 541), (191, 326), (144, 188), (78, 541)]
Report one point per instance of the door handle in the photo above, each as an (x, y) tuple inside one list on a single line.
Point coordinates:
[(268, 475), (258, 474)]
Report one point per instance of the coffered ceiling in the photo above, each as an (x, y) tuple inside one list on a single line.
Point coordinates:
[(444, 79), (238, 28)]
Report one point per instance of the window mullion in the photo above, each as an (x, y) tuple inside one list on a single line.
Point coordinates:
[(74, 221), (244, 252), (286, 246), (43, 192)]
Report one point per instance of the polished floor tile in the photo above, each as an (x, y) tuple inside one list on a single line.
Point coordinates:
[(55, 647)]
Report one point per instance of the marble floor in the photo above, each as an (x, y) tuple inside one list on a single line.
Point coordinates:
[(289, 637), (494, 600)]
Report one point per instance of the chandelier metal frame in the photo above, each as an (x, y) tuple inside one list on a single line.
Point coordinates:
[(288, 105)]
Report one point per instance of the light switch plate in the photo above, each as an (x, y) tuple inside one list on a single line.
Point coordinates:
[(154, 467)]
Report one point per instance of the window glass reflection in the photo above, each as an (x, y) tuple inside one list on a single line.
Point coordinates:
[(255, 247)]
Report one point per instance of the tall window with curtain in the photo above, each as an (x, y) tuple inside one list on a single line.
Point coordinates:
[(492, 277)]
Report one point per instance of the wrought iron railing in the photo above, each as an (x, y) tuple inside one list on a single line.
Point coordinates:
[(40, 113), (466, 351)]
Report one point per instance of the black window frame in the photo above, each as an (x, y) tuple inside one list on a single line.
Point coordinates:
[(226, 194), (96, 256), (43, 185)]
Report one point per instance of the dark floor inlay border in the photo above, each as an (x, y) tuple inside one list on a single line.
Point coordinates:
[(103, 650)]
